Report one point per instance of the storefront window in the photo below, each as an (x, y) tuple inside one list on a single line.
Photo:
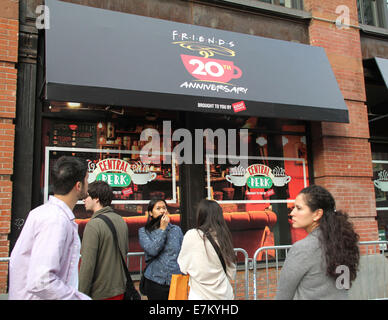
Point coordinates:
[(253, 167), (111, 145), (380, 181), (258, 196)]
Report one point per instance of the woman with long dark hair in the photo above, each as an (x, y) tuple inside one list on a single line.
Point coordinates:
[(324, 264), (207, 255), (161, 242)]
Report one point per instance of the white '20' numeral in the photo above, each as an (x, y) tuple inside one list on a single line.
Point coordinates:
[(205, 68)]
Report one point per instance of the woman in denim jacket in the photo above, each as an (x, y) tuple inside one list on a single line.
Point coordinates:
[(161, 242)]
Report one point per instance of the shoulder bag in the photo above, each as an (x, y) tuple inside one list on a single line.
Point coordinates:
[(130, 291), (218, 251)]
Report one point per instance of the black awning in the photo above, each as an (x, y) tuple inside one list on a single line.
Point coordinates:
[(107, 57), (382, 66)]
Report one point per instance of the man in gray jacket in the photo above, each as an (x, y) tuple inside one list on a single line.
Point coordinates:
[(101, 273)]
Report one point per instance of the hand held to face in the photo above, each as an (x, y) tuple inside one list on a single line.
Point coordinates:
[(164, 222)]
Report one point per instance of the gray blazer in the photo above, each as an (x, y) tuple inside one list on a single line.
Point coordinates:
[(303, 276)]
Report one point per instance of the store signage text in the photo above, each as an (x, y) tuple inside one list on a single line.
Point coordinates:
[(204, 68), (239, 106), (259, 182), (258, 176), (115, 179), (119, 173), (176, 36), (259, 169), (113, 164), (115, 172)]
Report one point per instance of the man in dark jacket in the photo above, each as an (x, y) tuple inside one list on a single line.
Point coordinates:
[(101, 273)]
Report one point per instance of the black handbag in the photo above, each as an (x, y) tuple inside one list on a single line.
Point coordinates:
[(130, 291), (142, 282)]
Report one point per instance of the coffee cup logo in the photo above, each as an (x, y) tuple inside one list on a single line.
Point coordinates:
[(280, 179), (237, 180), (237, 176), (382, 185), (215, 70), (382, 182), (141, 178)]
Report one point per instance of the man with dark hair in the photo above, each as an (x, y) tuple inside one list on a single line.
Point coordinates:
[(66, 173), (44, 261), (102, 275)]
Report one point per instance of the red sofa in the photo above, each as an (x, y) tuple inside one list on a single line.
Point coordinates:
[(250, 231)]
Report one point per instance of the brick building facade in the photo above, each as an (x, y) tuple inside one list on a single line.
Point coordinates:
[(341, 153), (342, 157), (9, 26)]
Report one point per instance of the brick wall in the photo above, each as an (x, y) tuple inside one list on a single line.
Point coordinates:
[(9, 26), (342, 155)]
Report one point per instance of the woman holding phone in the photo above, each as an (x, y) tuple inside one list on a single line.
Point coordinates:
[(161, 242)]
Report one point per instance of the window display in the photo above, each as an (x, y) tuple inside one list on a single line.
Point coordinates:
[(112, 147), (253, 167), (380, 182), (275, 171)]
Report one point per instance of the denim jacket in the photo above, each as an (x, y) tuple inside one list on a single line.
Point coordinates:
[(167, 241)]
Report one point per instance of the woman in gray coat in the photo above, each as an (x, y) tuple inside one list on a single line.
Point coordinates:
[(324, 264)]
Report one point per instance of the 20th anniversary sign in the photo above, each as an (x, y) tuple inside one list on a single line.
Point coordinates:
[(214, 63)]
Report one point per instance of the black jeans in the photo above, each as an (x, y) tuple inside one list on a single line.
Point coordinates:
[(156, 291)]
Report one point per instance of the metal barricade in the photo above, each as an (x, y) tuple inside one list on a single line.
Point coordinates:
[(276, 263), (379, 266), (371, 282), (246, 273), (236, 250), (137, 254)]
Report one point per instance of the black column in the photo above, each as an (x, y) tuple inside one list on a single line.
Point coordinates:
[(281, 229), (192, 177), (24, 124)]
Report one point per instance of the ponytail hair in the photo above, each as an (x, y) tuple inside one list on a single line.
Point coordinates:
[(338, 238)]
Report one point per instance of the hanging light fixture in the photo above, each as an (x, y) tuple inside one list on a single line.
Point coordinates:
[(73, 104)]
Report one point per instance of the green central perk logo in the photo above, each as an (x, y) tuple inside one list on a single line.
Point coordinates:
[(115, 179), (260, 176), (261, 182)]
